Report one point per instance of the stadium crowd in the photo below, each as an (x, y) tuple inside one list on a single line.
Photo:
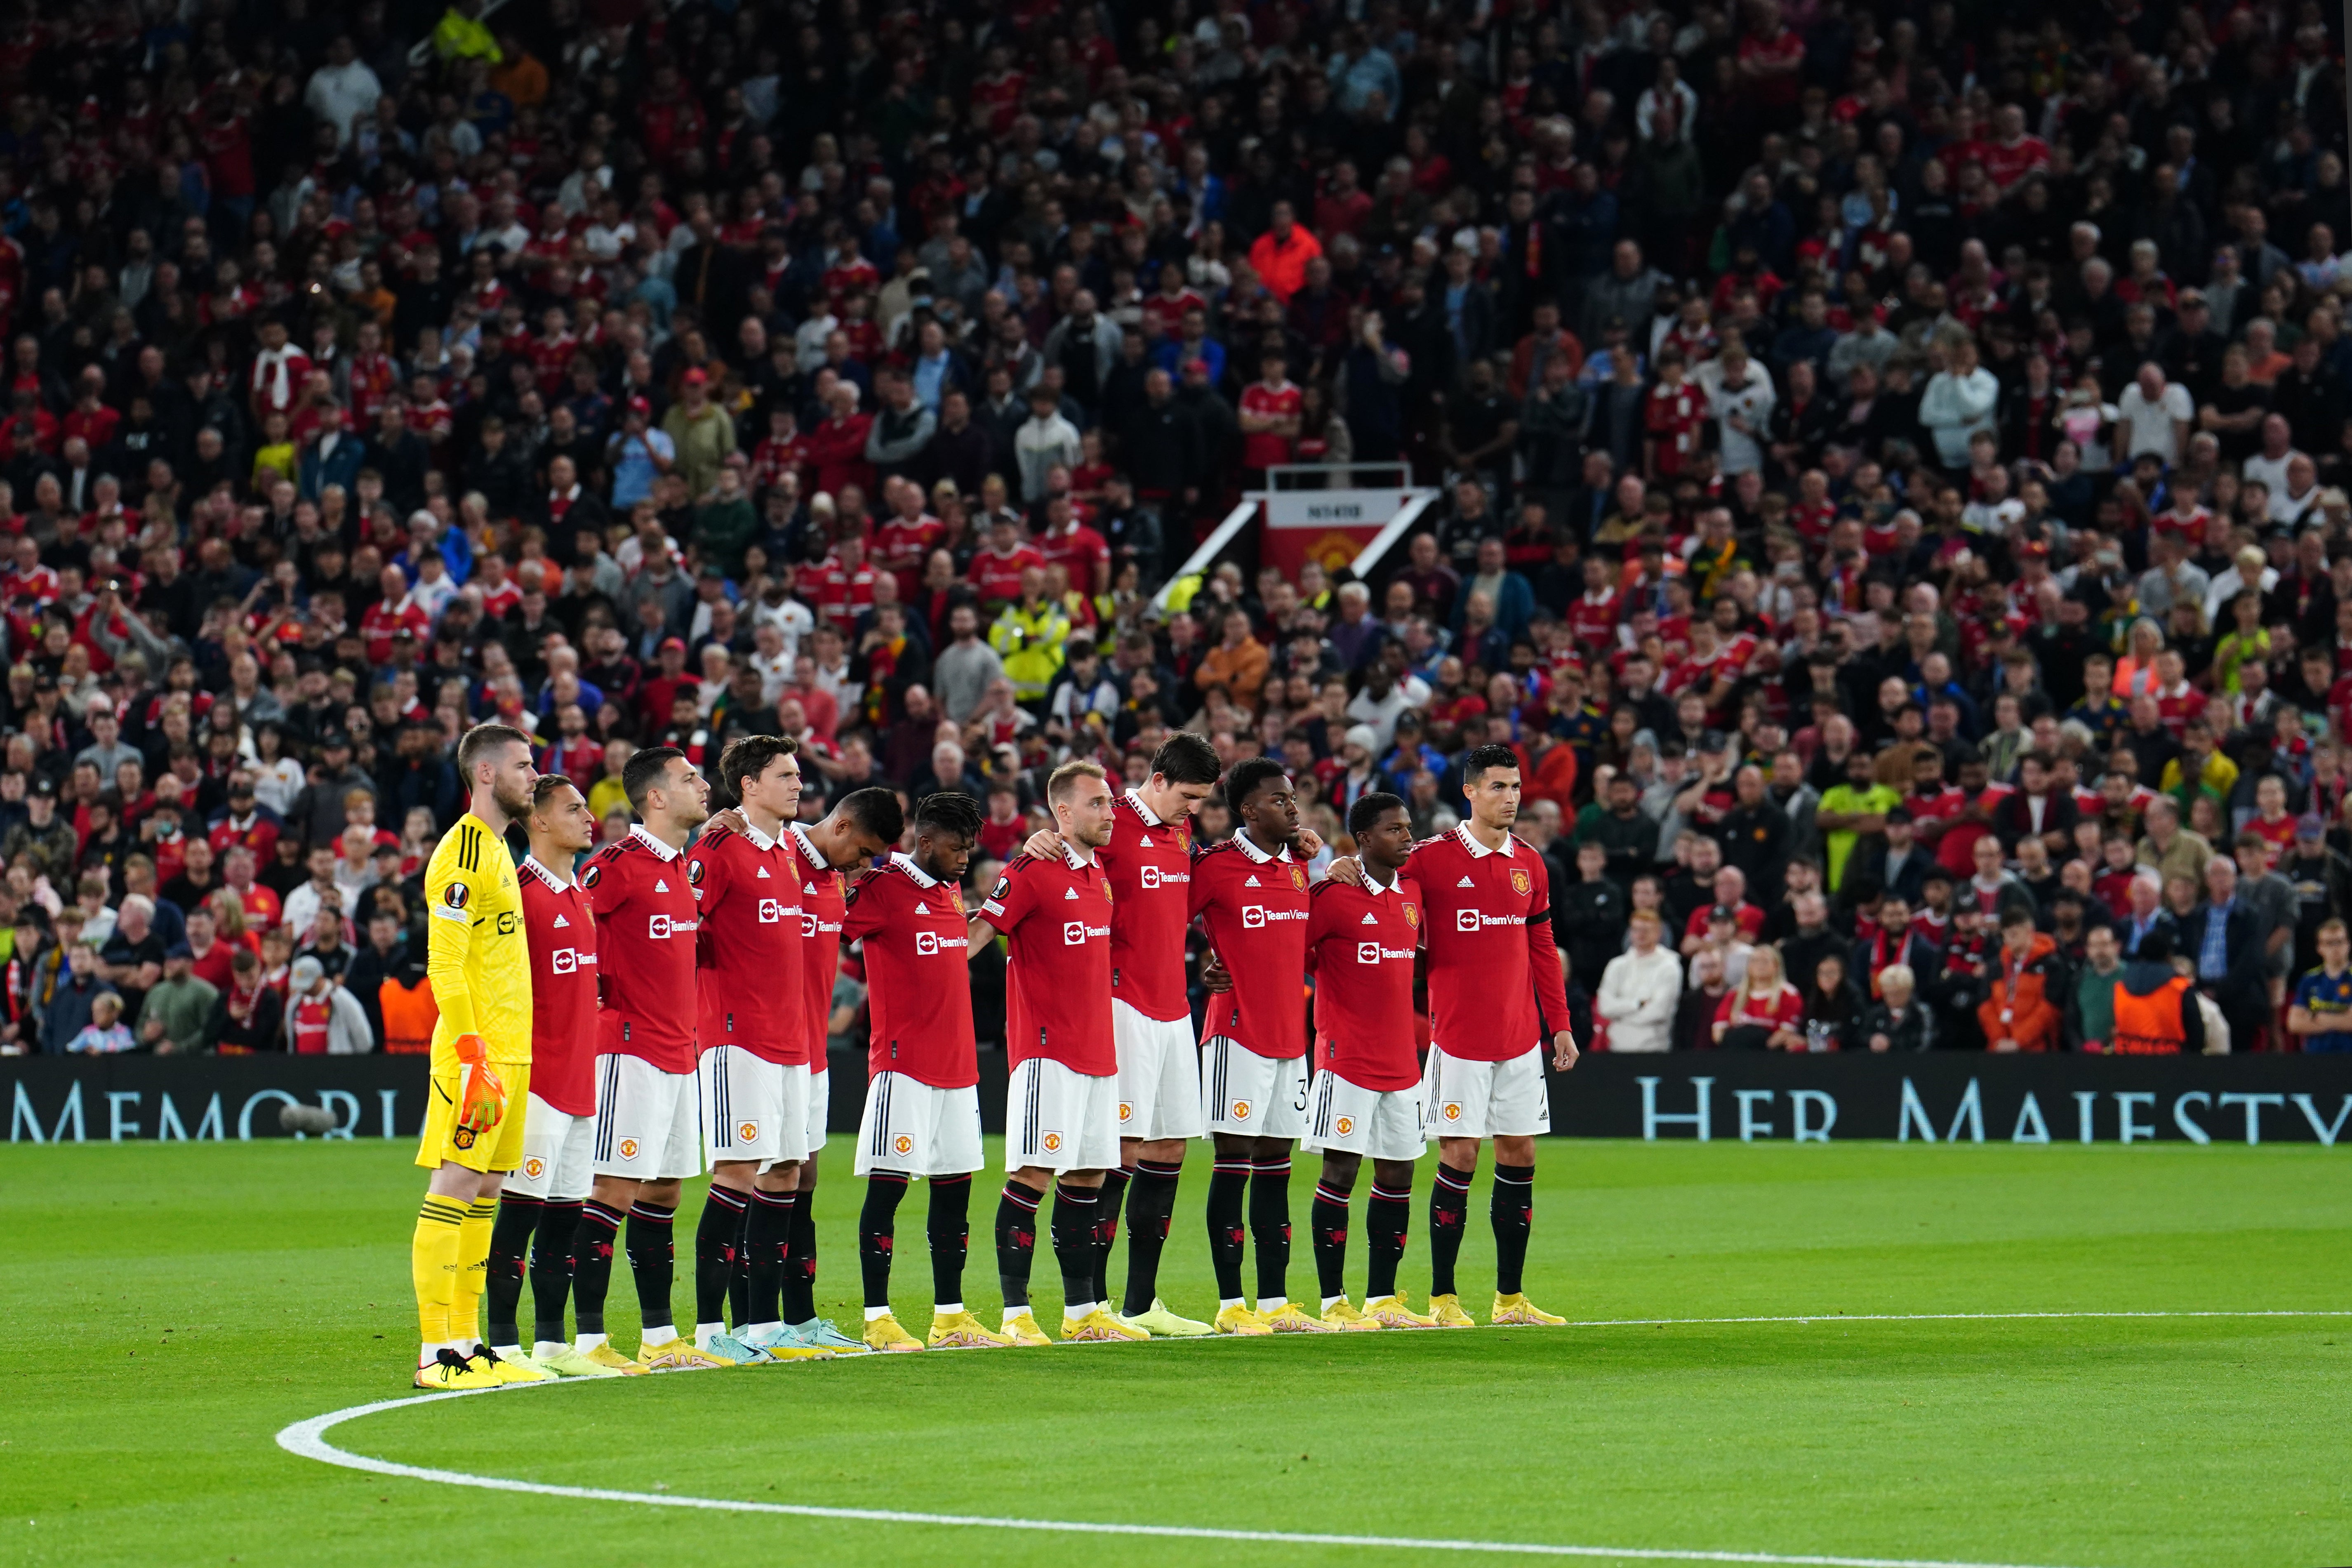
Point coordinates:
[(1894, 471)]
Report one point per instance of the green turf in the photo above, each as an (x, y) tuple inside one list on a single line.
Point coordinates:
[(173, 1307)]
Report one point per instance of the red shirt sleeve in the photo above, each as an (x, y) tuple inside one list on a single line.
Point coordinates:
[(866, 914), (1008, 903), (1543, 957)]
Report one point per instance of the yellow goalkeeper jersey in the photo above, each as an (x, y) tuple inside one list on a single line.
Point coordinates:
[(475, 948)]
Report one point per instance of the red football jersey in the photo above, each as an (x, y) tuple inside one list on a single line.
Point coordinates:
[(1359, 943), (644, 947), (1149, 864), (748, 950), (1593, 621), (562, 931), (824, 897), (1265, 449), (996, 578), (914, 929), (1673, 419), (1495, 987), (1254, 907), (1057, 987)]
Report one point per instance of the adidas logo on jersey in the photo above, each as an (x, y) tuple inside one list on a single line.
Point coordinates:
[(1251, 883), (1143, 842), (1465, 882), (922, 908), (1371, 919), (560, 922), (763, 874), (1069, 892), (660, 885)]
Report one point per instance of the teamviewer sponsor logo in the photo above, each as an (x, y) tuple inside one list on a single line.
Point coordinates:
[(564, 961), (927, 944), (1368, 952), (1074, 933), (658, 927), (1149, 877), (1253, 916), (772, 911), (1466, 919)]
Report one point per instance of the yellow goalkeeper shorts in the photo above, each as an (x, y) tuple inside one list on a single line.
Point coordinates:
[(445, 1142)]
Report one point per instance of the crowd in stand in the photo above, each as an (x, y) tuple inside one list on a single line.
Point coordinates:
[(1894, 471)]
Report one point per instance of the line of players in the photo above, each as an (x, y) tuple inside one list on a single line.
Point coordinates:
[(628, 1092)]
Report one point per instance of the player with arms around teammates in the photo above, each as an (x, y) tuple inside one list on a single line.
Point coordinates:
[(475, 1117), (1250, 896), (1366, 1096), (863, 824), (540, 1208), (649, 1117), (922, 1094), (1496, 999), (1150, 863), (1061, 1116), (752, 1072)]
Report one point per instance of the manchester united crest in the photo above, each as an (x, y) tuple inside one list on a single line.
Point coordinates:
[(1412, 917), (1519, 883), (1298, 878)]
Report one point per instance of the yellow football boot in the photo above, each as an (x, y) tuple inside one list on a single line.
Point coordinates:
[(448, 1373), (1390, 1312), (1516, 1311), (1290, 1318), (963, 1331), (1341, 1316), (1240, 1321), (678, 1355), (1022, 1328), (883, 1333), (1099, 1327), (1446, 1311)]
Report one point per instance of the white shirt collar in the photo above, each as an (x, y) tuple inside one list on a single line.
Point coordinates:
[(1151, 817), (1479, 851), (1258, 856), (906, 863), (1072, 858), (1372, 884), (759, 839), (537, 867), (800, 836), (640, 832)]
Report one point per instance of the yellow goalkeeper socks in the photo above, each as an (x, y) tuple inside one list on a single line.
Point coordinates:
[(473, 1272), (432, 1253)]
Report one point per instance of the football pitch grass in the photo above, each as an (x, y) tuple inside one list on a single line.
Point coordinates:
[(174, 1308)]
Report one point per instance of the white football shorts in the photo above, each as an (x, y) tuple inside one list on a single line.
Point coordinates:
[(1253, 1096), (1159, 1074), (1462, 1099), (556, 1150), (917, 1129), (649, 1121), (752, 1108), (1385, 1124), (1059, 1118)]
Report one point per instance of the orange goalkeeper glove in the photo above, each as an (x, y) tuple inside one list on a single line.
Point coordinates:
[(481, 1093)]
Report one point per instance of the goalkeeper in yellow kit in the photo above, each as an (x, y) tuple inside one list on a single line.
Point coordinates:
[(480, 966)]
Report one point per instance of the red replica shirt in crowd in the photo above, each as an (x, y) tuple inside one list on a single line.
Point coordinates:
[(1149, 864), (1495, 987), (1254, 907), (824, 897), (1783, 1010), (1593, 621), (1673, 421), (996, 578), (1057, 988), (1079, 552), (747, 949), (644, 948), (1359, 943), (2177, 705), (562, 931), (913, 926), (901, 545), (1264, 448)]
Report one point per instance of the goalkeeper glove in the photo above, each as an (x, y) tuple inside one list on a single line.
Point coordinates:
[(482, 1094)]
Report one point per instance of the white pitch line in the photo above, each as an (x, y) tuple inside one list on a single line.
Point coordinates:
[(307, 1439)]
